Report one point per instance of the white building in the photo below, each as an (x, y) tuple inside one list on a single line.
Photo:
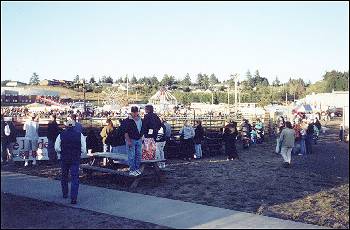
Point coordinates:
[(322, 101)]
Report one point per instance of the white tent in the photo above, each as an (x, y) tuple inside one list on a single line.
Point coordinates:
[(163, 97)]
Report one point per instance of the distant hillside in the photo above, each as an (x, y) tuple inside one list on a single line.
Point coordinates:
[(69, 93)]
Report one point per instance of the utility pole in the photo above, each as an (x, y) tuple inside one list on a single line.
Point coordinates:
[(228, 96), (236, 79), (127, 87), (84, 97)]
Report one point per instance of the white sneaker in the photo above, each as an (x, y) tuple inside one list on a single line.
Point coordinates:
[(26, 164), (138, 172), (133, 173)]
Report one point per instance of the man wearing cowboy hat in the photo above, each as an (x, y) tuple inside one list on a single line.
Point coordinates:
[(70, 144)]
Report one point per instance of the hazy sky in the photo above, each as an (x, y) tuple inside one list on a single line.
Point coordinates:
[(62, 39)]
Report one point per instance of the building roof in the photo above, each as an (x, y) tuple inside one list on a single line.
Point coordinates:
[(27, 91), (15, 83)]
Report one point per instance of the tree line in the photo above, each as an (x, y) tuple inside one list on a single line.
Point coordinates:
[(255, 88)]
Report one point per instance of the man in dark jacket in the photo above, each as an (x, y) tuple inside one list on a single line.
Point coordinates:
[(133, 134), (71, 144), (151, 123), (52, 133), (151, 126)]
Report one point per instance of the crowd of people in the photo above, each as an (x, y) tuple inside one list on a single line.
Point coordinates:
[(297, 137), (145, 138)]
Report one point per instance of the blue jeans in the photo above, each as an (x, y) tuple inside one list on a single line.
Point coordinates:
[(134, 154), (74, 173), (198, 150)]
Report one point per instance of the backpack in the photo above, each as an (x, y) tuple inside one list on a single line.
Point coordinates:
[(7, 130)]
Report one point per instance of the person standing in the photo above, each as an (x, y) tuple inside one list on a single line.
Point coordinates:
[(133, 134), (309, 137), (287, 140), (280, 127), (32, 136), (198, 138), (167, 128), (160, 143), (92, 141), (8, 138), (186, 138), (52, 133), (104, 134), (118, 139), (229, 138), (70, 144), (151, 125), (297, 130)]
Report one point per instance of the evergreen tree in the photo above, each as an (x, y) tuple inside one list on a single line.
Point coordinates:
[(34, 80), (186, 81), (213, 79)]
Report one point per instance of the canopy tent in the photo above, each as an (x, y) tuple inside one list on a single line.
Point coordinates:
[(303, 109), (163, 97)]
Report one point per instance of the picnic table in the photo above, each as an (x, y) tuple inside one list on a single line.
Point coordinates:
[(149, 168)]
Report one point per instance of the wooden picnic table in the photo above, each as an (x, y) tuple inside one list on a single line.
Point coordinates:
[(122, 159)]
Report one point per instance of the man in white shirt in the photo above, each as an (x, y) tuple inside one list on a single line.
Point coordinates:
[(31, 138)]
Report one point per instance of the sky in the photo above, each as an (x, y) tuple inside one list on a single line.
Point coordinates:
[(280, 39)]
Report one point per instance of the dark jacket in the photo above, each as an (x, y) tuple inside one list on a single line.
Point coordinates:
[(116, 137), (199, 134), (131, 129), (310, 130), (230, 141), (92, 141), (70, 145), (151, 121), (52, 130)]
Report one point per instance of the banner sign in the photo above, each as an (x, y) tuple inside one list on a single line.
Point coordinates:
[(22, 146), (21, 149)]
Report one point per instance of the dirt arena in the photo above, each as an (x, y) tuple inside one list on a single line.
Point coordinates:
[(314, 190)]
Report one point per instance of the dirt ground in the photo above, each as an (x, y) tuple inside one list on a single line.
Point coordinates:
[(314, 190)]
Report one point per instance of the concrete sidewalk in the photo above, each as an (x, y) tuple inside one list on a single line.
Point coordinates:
[(160, 211)]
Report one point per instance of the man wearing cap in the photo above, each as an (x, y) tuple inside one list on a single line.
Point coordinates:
[(133, 134), (71, 144)]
